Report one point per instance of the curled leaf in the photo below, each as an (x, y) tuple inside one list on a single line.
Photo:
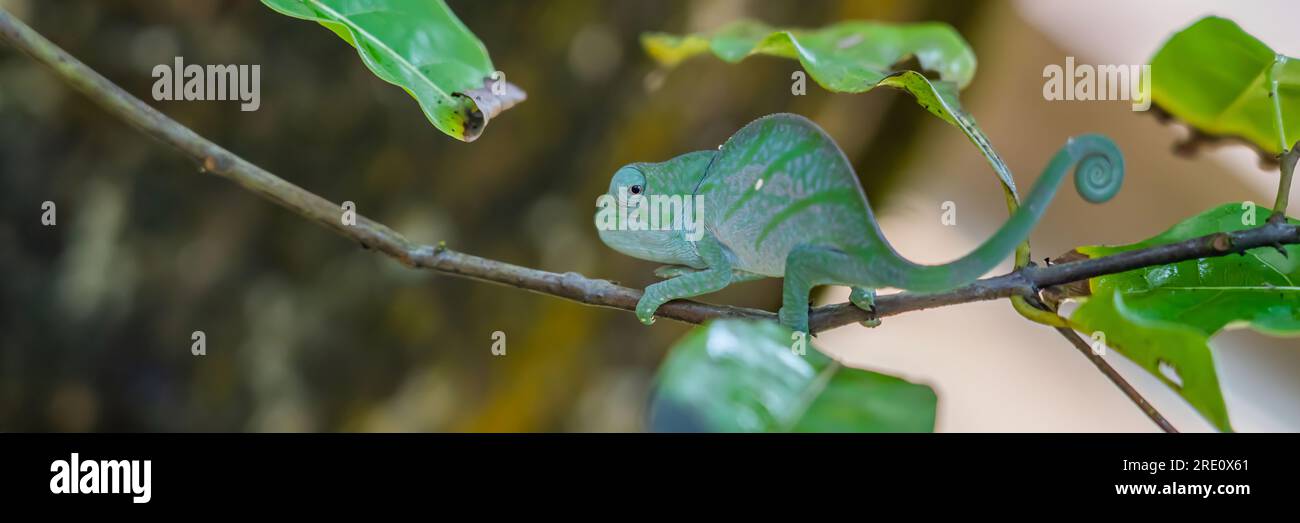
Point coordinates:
[(420, 46), (855, 57), (849, 57)]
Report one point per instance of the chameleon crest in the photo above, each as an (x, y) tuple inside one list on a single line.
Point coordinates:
[(779, 199)]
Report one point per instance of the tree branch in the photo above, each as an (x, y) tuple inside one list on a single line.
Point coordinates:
[(1031, 279), (371, 234)]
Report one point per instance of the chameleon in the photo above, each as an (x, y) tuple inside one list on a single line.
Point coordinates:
[(780, 199)]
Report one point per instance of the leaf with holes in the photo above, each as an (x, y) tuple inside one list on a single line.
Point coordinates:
[(420, 46), (745, 376), (855, 57), (1219, 79), (1167, 314)]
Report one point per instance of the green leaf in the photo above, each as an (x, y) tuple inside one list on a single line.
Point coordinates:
[(420, 46), (1153, 343), (744, 376), (1217, 78), (855, 57), (1169, 313)]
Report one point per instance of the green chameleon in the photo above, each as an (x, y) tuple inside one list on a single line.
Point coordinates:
[(779, 199)]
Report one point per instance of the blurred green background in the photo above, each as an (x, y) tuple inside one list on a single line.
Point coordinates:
[(309, 332)]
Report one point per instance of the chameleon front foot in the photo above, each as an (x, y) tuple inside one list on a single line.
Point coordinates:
[(645, 310), (865, 299), (692, 282)]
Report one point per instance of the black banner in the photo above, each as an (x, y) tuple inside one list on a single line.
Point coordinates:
[(144, 471)]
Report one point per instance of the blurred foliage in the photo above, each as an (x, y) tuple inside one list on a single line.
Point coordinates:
[(306, 332), (758, 376)]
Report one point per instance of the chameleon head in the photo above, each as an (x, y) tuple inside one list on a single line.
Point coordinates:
[(624, 222)]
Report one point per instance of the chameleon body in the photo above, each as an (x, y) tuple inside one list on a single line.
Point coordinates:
[(780, 199)]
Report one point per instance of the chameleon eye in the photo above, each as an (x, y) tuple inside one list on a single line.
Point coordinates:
[(636, 189)]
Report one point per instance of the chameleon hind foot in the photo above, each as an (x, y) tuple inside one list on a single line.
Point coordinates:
[(865, 299), (795, 320)]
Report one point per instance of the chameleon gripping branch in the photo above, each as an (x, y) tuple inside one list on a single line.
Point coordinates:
[(826, 235), (214, 159)]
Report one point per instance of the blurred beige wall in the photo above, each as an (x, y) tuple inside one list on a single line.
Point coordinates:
[(997, 372)]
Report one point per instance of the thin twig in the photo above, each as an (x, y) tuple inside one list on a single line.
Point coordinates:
[(1115, 378), (1102, 365), (371, 234)]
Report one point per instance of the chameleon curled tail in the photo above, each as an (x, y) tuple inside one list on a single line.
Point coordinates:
[(1098, 174)]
